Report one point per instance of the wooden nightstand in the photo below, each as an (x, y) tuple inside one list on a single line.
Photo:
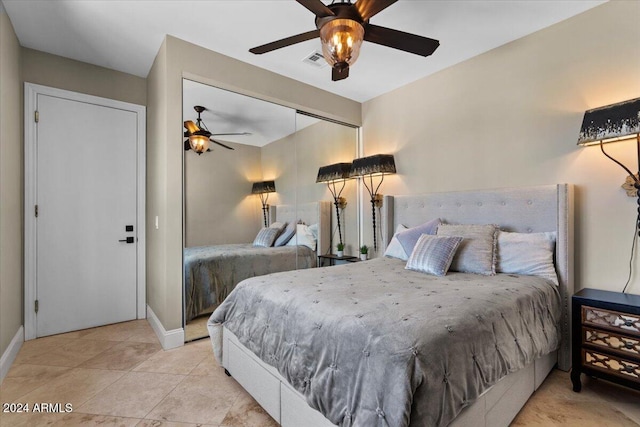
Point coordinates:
[(606, 337), (331, 259)]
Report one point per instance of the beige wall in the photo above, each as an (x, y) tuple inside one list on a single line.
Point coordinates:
[(322, 144), (219, 207), (511, 117), (11, 184), (178, 59), (63, 73)]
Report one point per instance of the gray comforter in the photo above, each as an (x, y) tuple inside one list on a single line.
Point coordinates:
[(372, 344), (211, 272)]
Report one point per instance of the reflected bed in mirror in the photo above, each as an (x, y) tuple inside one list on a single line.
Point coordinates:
[(270, 143)]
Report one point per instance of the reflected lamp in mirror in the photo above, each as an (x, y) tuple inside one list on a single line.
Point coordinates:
[(263, 189), (613, 123), (336, 176), (369, 169)]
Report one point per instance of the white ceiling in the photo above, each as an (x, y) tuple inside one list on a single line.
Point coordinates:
[(126, 35)]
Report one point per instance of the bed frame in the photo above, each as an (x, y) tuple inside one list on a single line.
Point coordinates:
[(530, 209)]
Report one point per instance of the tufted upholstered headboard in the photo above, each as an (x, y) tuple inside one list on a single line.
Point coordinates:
[(309, 213), (524, 210)]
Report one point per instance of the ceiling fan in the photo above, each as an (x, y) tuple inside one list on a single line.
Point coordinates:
[(342, 27), (199, 136)]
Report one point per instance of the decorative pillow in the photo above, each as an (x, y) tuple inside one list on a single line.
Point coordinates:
[(303, 236), (286, 234), (527, 254), (395, 249), (313, 228), (279, 225), (433, 254), (409, 238), (266, 237), (477, 252)]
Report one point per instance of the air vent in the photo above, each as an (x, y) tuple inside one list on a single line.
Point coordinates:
[(316, 59)]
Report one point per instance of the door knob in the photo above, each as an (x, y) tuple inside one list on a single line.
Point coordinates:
[(127, 240)]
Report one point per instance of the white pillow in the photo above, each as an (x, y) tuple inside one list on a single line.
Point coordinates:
[(395, 249), (527, 254), (304, 236)]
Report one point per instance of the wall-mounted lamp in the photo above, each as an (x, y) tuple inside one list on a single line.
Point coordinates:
[(332, 175), (612, 123), (376, 165), (263, 189)]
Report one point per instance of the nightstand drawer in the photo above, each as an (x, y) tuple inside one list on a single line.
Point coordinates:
[(623, 322), (607, 341), (614, 365)]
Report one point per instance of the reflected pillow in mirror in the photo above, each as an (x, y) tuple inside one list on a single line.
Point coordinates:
[(266, 237), (433, 254), (286, 235), (304, 236), (527, 254), (409, 237), (395, 249)]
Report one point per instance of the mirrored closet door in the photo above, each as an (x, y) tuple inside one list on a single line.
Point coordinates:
[(260, 172)]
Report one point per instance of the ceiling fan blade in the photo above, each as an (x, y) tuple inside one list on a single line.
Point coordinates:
[(221, 144), (411, 43), (285, 42), (368, 8), (317, 7), (339, 73), (236, 133)]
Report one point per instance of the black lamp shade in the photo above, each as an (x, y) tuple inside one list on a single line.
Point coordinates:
[(373, 165), (334, 172), (263, 187), (610, 123)]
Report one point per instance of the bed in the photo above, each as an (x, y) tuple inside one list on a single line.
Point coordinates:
[(513, 333), (211, 272)]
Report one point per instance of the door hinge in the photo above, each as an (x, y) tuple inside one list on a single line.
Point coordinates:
[(36, 211), (37, 306), (37, 116)]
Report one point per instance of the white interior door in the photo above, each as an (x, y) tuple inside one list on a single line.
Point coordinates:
[(86, 191)]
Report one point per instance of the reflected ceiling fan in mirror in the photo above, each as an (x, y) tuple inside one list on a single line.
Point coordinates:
[(342, 27), (199, 136)]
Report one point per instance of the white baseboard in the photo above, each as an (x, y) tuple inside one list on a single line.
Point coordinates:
[(168, 339), (11, 352)]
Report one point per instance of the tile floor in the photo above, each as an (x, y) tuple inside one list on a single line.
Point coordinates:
[(118, 375)]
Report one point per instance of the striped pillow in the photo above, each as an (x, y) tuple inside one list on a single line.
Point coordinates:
[(477, 252), (433, 254), (266, 237)]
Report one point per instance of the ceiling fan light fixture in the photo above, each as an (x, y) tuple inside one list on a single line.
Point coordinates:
[(199, 143), (341, 40)]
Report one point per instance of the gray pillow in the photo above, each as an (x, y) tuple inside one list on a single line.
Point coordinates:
[(433, 254), (286, 235), (409, 238), (477, 252), (527, 254), (266, 237)]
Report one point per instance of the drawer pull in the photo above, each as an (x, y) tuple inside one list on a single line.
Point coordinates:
[(628, 345), (628, 323)]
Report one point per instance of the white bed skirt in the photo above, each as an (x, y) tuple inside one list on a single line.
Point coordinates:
[(497, 407)]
